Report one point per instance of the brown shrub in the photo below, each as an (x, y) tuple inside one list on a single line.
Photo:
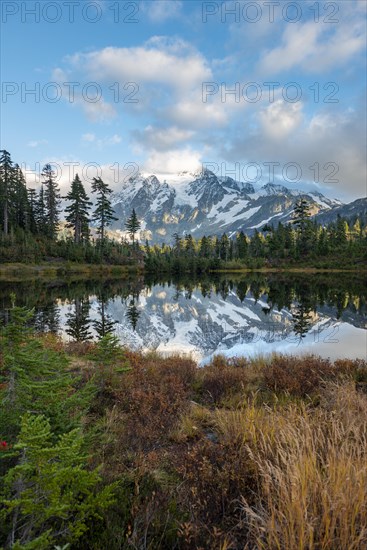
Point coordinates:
[(299, 376), (221, 379), (153, 395)]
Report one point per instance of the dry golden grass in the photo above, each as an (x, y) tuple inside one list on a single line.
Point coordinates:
[(238, 455), (312, 473)]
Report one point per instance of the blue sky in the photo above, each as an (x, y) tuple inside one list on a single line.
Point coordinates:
[(176, 60)]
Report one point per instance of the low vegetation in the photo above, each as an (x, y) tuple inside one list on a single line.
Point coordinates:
[(102, 447)]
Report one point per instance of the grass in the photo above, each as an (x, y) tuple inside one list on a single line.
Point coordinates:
[(268, 453), (19, 272), (263, 453)]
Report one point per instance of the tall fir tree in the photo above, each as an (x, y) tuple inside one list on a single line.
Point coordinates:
[(32, 207), (19, 200), (301, 219), (77, 211), (52, 201), (40, 211), (103, 214), (6, 180), (133, 225)]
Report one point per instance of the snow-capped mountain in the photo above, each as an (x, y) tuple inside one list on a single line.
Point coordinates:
[(205, 204)]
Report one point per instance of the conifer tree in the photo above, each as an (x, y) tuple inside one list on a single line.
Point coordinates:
[(40, 211), (50, 493), (103, 214), (32, 208), (51, 200), (301, 219), (19, 200), (242, 245), (224, 247), (77, 211), (204, 250), (133, 225), (301, 214), (6, 180)]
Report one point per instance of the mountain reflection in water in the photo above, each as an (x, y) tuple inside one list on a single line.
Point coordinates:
[(234, 314)]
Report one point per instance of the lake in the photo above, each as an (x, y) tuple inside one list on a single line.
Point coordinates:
[(233, 314)]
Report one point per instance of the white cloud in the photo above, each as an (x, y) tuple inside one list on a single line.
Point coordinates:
[(316, 47), (157, 62), (280, 119), (160, 11), (162, 138), (331, 141), (172, 162)]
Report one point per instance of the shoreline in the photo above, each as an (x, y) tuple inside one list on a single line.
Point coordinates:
[(18, 271), (54, 270)]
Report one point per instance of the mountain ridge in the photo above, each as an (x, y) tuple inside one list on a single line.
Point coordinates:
[(202, 203)]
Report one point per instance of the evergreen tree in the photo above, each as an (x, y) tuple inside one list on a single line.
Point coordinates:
[(32, 209), (242, 245), (19, 200), (301, 219), (301, 214), (51, 201), (256, 247), (40, 211), (6, 180), (224, 247), (50, 494), (104, 213), (205, 248), (189, 245), (342, 231), (133, 225), (77, 211), (177, 243)]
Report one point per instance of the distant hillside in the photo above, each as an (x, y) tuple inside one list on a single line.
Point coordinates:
[(355, 208)]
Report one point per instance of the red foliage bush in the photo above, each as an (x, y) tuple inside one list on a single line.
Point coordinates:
[(301, 376)]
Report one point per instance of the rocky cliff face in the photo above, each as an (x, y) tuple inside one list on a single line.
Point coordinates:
[(205, 204)]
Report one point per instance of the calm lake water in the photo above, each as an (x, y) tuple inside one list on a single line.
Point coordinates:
[(245, 315)]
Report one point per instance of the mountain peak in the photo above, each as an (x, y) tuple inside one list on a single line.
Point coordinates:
[(275, 189), (203, 203)]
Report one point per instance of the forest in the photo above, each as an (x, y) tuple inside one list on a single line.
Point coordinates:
[(34, 229)]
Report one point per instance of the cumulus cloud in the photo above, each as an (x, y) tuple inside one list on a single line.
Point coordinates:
[(316, 48), (158, 61), (336, 143), (280, 118), (173, 161)]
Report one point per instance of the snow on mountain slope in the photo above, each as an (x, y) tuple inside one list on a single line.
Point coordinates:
[(205, 204)]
